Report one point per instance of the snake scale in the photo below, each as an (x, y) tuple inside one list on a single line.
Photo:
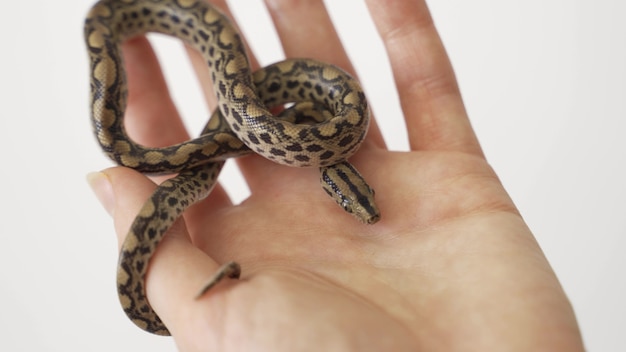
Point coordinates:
[(325, 125)]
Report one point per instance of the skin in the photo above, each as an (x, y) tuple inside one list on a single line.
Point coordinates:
[(451, 265)]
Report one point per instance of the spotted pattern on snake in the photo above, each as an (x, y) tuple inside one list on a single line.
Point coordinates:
[(322, 129)]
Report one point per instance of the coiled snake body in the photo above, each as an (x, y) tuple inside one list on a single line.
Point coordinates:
[(322, 129)]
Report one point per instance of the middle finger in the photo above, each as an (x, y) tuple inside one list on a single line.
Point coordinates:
[(306, 30)]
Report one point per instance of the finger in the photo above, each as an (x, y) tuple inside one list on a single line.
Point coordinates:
[(178, 270), (204, 76), (122, 192), (306, 30), (254, 174), (197, 214), (435, 116), (151, 117), (200, 66)]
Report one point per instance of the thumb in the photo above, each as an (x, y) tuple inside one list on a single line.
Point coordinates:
[(177, 270)]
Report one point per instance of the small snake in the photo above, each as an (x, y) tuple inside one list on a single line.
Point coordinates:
[(325, 125)]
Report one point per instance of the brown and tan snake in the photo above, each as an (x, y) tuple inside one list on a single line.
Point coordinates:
[(322, 129)]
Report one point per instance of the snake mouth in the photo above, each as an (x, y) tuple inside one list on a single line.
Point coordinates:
[(373, 219)]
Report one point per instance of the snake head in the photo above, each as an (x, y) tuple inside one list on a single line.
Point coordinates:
[(346, 186)]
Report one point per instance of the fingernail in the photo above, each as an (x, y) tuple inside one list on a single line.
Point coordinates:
[(102, 188)]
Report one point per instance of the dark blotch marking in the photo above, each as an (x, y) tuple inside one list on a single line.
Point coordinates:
[(236, 116), (225, 109), (204, 35), (277, 152), (314, 148), (303, 134), (346, 140), (266, 138), (140, 264), (327, 155), (318, 89), (274, 87), (222, 88), (295, 147), (253, 138), (302, 157)]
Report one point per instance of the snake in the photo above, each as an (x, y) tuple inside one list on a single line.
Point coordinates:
[(322, 120)]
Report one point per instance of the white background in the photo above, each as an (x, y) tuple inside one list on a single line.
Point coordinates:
[(544, 83)]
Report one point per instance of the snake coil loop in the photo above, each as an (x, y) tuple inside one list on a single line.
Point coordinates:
[(322, 93)]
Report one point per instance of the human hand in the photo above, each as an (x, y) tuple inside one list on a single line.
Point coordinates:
[(450, 266)]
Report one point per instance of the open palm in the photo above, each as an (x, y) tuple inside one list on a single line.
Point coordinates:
[(450, 266)]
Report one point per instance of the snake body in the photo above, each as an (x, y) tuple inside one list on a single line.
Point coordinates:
[(322, 129)]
